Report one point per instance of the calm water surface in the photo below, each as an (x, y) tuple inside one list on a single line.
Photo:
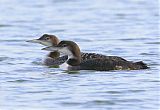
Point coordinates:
[(126, 28)]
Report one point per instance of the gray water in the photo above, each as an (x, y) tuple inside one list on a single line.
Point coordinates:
[(125, 28)]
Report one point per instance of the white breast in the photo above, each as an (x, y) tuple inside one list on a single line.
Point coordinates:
[(66, 51)]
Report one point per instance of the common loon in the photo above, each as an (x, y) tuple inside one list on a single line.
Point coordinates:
[(103, 63), (54, 57), (48, 40)]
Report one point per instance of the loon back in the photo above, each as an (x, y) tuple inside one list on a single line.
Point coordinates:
[(106, 64), (87, 56)]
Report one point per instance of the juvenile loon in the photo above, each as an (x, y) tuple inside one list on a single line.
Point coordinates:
[(103, 63), (54, 57), (48, 40)]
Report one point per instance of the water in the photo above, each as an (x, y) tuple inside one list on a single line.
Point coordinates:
[(126, 28)]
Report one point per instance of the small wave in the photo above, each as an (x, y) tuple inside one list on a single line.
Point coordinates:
[(152, 43), (5, 25), (39, 91), (4, 58), (149, 54), (19, 80)]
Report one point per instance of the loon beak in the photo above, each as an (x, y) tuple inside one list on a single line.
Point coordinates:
[(34, 41), (51, 48), (43, 42)]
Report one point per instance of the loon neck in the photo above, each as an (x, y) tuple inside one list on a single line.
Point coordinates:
[(74, 58)]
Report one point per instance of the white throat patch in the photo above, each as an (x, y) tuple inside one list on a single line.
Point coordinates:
[(66, 51)]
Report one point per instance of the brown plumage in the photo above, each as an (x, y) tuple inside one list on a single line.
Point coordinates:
[(94, 61)]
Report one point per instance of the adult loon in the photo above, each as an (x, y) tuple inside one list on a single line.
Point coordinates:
[(54, 57), (103, 63)]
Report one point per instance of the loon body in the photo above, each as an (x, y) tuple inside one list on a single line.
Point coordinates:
[(54, 57), (93, 61)]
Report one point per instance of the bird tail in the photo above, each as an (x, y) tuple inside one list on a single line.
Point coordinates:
[(142, 65)]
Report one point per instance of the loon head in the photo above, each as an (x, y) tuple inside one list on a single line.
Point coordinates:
[(69, 48), (46, 40)]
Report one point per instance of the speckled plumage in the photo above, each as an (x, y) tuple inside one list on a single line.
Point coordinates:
[(93, 61), (110, 63)]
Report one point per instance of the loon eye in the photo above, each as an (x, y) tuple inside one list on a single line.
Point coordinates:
[(47, 38)]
